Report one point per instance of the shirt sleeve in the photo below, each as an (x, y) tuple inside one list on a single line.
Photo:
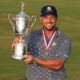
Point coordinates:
[(64, 50), (27, 42), (30, 42)]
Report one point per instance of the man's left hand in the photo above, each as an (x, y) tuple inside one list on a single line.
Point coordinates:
[(28, 59)]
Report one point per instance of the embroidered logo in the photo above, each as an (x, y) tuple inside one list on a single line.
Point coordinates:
[(49, 9), (54, 44)]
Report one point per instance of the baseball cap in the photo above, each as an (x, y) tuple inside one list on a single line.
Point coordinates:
[(48, 9)]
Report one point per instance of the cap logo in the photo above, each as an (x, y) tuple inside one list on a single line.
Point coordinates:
[(49, 9)]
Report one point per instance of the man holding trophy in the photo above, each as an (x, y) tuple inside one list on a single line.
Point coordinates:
[(47, 48)]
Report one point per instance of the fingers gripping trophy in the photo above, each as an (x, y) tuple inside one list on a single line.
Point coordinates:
[(21, 24)]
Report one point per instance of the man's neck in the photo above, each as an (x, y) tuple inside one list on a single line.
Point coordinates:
[(49, 32)]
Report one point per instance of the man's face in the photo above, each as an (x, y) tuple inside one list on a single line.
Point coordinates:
[(48, 21)]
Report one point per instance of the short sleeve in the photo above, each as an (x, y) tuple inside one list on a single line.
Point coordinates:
[(64, 49), (28, 41)]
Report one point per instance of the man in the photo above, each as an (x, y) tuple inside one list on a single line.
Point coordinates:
[(48, 49)]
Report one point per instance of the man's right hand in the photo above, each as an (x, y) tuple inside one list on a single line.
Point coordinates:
[(16, 40)]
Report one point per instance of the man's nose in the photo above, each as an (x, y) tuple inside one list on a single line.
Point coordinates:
[(49, 19)]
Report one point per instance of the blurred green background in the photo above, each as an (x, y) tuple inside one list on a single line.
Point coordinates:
[(68, 22)]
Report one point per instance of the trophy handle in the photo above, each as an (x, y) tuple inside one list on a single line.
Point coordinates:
[(33, 20), (11, 18)]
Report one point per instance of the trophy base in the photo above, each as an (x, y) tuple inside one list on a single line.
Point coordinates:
[(17, 57)]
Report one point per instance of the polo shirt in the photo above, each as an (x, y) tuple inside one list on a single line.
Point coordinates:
[(60, 47)]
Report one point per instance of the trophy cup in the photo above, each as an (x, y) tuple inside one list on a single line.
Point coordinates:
[(21, 24)]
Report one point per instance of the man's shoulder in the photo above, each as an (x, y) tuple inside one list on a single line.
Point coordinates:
[(64, 37), (36, 32)]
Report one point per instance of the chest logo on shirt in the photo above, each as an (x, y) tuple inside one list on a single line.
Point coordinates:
[(54, 44)]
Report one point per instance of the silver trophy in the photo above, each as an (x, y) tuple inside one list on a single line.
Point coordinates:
[(21, 24)]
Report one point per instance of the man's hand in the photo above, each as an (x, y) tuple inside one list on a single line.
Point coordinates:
[(16, 40), (28, 59)]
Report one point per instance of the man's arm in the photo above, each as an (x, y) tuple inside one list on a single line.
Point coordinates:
[(50, 63), (56, 63)]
